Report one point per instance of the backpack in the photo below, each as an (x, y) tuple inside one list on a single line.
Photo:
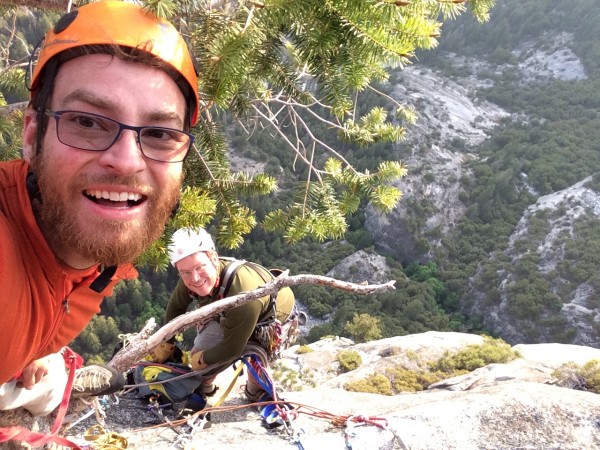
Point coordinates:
[(157, 376), (228, 274), (268, 333)]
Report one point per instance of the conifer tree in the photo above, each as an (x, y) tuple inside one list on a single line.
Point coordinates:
[(271, 64)]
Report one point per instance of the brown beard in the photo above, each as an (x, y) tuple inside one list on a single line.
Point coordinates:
[(103, 241)]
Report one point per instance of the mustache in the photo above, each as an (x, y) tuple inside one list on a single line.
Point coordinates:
[(132, 182)]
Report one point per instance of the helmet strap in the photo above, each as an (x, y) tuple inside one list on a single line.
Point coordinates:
[(32, 187), (49, 75), (175, 210)]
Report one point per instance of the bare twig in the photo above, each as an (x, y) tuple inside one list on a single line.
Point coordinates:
[(50, 5), (142, 345), (7, 110)]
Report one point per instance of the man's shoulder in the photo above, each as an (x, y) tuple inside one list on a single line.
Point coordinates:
[(126, 272), (12, 181), (13, 211), (11, 171)]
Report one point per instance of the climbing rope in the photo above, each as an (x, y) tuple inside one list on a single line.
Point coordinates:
[(274, 412)]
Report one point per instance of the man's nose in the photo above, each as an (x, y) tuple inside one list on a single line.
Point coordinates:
[(195, 274), (125, 155)]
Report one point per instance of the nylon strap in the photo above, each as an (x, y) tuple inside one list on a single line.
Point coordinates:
[(227, 277), (268, 388), (237, 373)]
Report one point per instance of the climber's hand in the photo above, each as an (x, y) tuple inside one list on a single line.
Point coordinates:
[(163, 352), (198, 361)]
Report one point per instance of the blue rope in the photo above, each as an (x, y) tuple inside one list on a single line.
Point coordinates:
[(270, 413), (266, 385)]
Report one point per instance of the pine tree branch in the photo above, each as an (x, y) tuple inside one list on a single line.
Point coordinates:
[(144, 343)]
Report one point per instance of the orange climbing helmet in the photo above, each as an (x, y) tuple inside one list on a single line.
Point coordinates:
[(127, 25)]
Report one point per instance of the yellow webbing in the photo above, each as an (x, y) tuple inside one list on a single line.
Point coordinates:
[(230, 387), (103, 440)]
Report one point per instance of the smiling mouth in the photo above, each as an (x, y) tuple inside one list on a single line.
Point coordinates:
[(200, 284), (107, 198)]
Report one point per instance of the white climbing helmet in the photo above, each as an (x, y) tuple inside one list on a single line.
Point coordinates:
[(187, 241)]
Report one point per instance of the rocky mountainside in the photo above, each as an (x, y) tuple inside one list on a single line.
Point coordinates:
[(499, 406), (452, 120), (581, 311)]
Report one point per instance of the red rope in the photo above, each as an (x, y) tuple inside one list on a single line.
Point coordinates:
[(16, 433)]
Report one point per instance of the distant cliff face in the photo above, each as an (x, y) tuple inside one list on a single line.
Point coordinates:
[(360, 267), (452, 121), (557, 215)]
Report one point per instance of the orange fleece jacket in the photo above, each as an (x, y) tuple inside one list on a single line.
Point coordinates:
[(44, 304)]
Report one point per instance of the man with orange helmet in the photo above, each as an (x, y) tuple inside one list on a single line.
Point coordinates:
[(113, 98)]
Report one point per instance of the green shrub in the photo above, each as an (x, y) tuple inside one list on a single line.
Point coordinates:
[(364, 328), (349, 360), (290, 380), (304, 349), (374, 384), (574, 376), (475, 356), (402, 379), (285, 377), (406, 380)]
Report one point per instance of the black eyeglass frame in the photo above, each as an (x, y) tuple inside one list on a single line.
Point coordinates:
[(122, 126)]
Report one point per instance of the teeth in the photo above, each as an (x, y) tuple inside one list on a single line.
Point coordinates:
[(115, 196)]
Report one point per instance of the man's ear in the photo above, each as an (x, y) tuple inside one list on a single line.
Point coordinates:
[(214, 258), (29, 134)]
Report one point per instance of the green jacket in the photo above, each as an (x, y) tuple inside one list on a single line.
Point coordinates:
[(238, 323)]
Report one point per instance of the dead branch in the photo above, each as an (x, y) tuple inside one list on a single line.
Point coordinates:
[(143, 344), (49, 5), (7, 110)]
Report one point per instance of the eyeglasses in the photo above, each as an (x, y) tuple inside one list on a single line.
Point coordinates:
[(187, 274), (93, 132)]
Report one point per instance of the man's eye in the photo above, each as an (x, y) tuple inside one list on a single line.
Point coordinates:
[(86, 122), (162, 134)]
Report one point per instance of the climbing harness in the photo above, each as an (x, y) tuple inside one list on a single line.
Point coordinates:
[(269, 332)]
